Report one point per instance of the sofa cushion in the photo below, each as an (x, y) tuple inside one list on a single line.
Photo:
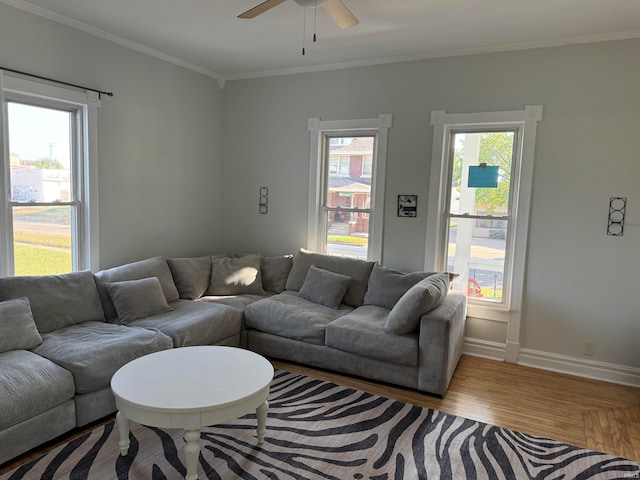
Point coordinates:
[(362, 332), (324, 287), (235, 275), (93, 351), (387, 286), (57, 301), (239, 302), (151, 267), (424, 296), (358, 270), (291, 316), (275, 271), (135, 299), (195, 323), (17, 328), (30, 385), (191, 275)]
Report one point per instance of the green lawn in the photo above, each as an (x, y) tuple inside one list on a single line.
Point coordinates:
[(347, 240), (34, 260)]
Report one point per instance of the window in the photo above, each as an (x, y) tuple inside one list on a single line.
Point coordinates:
[(346, 206), (367, 166), (479, 200), (46, 220)]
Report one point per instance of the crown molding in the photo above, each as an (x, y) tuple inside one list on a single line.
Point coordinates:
[(222, 79), (43, 12)]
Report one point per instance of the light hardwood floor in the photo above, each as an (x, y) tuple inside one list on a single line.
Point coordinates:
[(587, 413)]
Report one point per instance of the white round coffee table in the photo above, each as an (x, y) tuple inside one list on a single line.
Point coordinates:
[(191, 387)]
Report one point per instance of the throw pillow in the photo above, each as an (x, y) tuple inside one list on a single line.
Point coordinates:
[(191, 275), (424, 296), (324, 287), (387, 286), (135, 299), (17, 328), (235, 276)]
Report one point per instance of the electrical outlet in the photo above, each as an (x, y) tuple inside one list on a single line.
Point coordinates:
[(589, 348)]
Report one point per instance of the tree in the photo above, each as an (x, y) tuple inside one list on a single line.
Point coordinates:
[(496, 149)]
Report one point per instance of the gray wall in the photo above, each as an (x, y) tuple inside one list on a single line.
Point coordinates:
[(158, 138), (580, 284)]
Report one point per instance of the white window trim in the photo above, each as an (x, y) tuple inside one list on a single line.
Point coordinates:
[(443, 123), (318, 128), (88, 102)]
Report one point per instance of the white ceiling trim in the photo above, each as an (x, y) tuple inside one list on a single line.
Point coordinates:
[(43, 12), (443, 54)]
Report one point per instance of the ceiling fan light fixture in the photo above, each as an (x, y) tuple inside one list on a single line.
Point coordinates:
[(310, 3)]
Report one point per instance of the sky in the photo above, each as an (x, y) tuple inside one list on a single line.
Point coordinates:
[(36, 132)]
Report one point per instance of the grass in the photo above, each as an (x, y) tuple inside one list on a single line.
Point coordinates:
[(34, 260), (347, 240), (41, 253), (46, 239)]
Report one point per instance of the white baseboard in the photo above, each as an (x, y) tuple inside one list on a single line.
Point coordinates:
[(484, 348), (608, 372), (554, 362)]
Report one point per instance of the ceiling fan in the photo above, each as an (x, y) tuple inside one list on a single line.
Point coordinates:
[(335, 8)]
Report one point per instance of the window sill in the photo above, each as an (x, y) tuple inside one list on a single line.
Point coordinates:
[(497, 313)]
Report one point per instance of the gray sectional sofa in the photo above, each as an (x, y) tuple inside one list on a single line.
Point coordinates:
[(62, 337)]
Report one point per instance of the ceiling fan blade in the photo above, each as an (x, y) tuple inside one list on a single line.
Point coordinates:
[(340, 13), (259, 9)]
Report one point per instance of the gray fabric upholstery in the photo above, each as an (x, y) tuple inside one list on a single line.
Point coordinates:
[(36, 430), (290, 316), (30, 385), (419, 299), (235, 276), (93, 351), (135, 299), (325, 357), (441, 342), (195, 323), (151, 267), (387, 286), (358, 270), (17, 328), (57, 301), (324, 287), (192, 276), (362, 332), (239, 302), (275, 271), (94, 405)]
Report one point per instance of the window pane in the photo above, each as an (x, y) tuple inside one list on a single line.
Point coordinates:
[(40, 151), (42, 240), (347, 233), (479, 151), (477, 253)]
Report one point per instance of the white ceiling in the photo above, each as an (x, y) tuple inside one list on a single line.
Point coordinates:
[(207, 36)]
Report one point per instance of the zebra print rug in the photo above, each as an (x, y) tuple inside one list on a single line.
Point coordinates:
[(319, 430)]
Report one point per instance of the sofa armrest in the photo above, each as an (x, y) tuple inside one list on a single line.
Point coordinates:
[(441, 338)]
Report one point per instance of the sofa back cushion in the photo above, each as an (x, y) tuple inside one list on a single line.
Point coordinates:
[(275, 271), (235, 275), (17, 328), (358, 270), (387, 286), (57, 301), (191, 275), (151, 267)]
